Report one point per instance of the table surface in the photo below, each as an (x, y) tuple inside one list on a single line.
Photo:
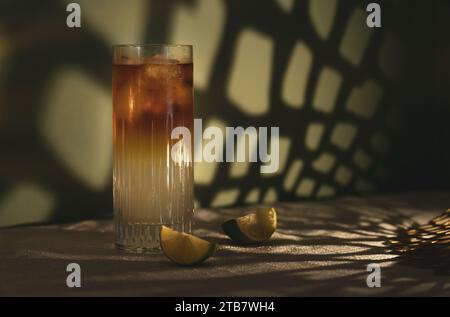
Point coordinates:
[(320, 248)]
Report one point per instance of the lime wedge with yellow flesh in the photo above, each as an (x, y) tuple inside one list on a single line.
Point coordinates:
[(253, 228), (183, 248)]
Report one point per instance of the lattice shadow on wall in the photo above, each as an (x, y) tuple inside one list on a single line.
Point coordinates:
[(333, 145)]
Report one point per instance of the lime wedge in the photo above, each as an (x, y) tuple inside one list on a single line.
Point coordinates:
[(183, 248), (253, 228)]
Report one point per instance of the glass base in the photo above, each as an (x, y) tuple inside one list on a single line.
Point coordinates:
[(137, 237), (138, 250), (140, 237)]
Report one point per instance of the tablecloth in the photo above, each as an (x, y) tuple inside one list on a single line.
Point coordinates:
[(320, 248)]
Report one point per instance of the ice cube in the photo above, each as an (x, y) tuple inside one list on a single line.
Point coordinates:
[(152, 101), (161, 74)]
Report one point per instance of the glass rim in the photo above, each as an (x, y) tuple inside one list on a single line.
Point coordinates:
[(153, 45)]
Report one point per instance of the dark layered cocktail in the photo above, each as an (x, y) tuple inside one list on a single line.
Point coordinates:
[(152, 94)]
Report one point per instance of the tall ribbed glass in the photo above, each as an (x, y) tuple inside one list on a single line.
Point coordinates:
[(152, 88)]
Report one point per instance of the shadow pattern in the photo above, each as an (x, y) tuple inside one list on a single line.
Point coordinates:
[(41, 43), (319, 249), (425, 246)]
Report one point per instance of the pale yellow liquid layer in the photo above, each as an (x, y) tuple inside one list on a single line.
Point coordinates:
[(149, 187)]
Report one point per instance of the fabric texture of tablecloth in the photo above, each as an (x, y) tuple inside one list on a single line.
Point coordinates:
[(320, 248)]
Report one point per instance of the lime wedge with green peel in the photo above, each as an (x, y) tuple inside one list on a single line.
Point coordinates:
[(253, 228), (183, 248)]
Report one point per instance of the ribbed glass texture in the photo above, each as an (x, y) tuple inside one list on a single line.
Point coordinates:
[(152, 95)]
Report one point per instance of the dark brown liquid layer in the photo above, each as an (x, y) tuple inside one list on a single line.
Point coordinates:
[(152, 98)]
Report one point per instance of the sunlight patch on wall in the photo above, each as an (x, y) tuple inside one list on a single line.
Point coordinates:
[(286, 5), (249, 83), (306, 187), (364, 100), (343, 175), (327, 90), (314, 134), (362, 160), (225, 198), (253, 196), (295, 80), (250, 144), (364, 186), (285, 147), (322, 13), (202, 26), (271, 196), (117, 21), (26, 203), (324, 163), (76, 124), (391, 58), (343, 135), (380, 143), (356, 38), (326, 191), (204, 172), (239, 169), (292, 175)]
